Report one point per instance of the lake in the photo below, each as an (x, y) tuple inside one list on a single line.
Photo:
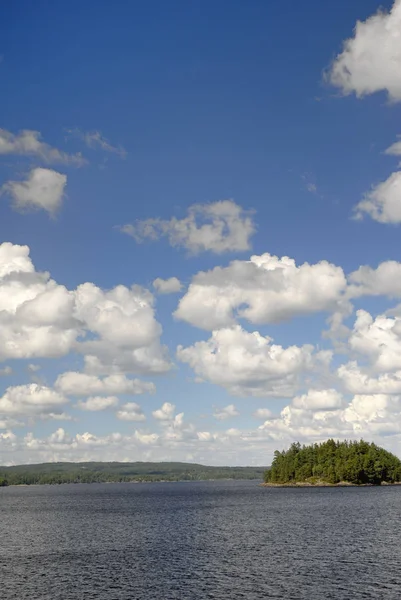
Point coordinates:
[(220, 540)]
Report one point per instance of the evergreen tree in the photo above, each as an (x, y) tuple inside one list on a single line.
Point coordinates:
[(333, 462)]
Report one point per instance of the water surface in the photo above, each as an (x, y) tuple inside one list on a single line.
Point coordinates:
[(198, 540)]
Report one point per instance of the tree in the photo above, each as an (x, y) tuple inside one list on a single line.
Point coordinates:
[(332, 462)]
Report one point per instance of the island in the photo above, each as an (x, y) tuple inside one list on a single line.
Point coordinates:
[(333, 463), (117, 472)]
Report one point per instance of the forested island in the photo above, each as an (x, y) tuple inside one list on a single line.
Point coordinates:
[(114, 472), (334, 463)]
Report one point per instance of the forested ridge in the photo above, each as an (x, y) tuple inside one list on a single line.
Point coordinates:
[(356, 462), (102, 472)]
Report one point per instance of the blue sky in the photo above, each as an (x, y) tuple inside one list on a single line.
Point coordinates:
[(122, 119)]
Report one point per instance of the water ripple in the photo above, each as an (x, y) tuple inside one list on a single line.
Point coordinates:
[(200, 540)]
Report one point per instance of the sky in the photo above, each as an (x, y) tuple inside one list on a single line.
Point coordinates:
[(200, 208)]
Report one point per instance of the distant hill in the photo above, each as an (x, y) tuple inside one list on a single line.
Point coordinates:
[(358, 463), (101, 472)]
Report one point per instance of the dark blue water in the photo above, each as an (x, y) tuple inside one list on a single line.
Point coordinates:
[(221, 540)]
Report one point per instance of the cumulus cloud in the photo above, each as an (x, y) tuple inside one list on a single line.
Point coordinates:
[(60, 443), (383, 202), (319, 400), (378, 408), (32, 399), (265, 289), (247, 364), (35, 313), (96, 403), (29, 143), (357, 380), (74, 383), (130, 412), (371, 60), (167, 286), (128, 335), (165, 412), (365, 415), (42, 190), (378, 340), (227, 412), (96, 141), (33, 368), (14, 259), (6, 371), (217, 227), (385, 280), (175, 430), (116, 330)]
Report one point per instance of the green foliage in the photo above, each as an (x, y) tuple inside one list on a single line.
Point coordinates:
[(102, 472), (333, 462)]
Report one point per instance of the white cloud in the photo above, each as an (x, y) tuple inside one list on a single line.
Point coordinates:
[(205, 436), (372, 408), (146, 438), (9, 423), (42, 190), (263, 413), (167, 286), (28, 143), (165, 412), (6, 371), (366, 415), (247, 364), (385, 280), (35, 313), (33, 368), (379, 340), (96, 141), (383, 202), (394, 149), (218, 227), (56, 417), (119, 315), (233, 432), (14, 259), (131, 412), (265, 289), (74, 383), (371, 60), (96, 403), (357, 381), (227, 412), (319, 400), (128, 335), (116, 330), (175, 429), (31, 399), (60, 442), (8, 441)]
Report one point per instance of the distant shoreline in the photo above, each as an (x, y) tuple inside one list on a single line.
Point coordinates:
[(138, 481), (114, 472)]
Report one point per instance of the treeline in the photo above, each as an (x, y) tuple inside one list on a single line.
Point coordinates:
[(57, 473), (333, 462)]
